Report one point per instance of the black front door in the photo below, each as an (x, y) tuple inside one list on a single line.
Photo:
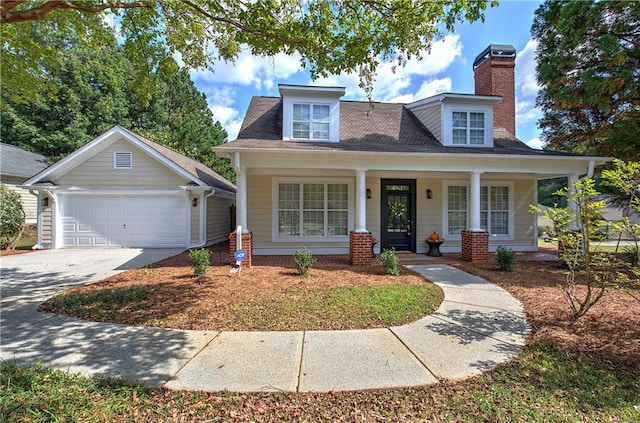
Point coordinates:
[(398, 214)]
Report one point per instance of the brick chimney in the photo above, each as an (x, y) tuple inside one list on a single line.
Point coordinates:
[(494, 74)]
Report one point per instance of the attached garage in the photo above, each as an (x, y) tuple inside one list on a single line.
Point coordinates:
[(123, 190), (124, 221)]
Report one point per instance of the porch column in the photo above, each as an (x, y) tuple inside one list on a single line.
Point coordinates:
[(572, 192), (241, 216), (474, 202), (361, 201), (475, 241), (241, 194)]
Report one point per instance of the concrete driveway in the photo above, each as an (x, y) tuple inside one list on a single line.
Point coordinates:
[(28, 335)]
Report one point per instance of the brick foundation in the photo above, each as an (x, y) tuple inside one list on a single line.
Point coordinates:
[(475, 246), (360, 248), (247, 245)]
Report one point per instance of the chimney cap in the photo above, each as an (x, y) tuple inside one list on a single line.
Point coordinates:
[(495, 50)]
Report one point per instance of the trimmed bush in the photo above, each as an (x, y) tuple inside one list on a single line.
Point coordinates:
[(390, 262), (304, 261), (11, 217), (506, 258), (200, 261)]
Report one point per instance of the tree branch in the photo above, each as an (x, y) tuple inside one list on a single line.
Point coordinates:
[(9, 16)]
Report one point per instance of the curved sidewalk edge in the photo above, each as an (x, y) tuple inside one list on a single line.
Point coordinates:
[(478, 326)]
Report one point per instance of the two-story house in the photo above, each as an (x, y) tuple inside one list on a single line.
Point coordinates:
[(318, 172)]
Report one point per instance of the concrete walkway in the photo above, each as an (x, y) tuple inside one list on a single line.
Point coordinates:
[(477, 327)]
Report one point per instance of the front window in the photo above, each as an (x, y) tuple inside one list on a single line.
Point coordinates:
[(457, 209), (313, 209), (468, 128), (311, 121), (495, 210)]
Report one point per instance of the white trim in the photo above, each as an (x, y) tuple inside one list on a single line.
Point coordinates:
[(277, 251), (483, 183), (447, 123), (153, 192), (275, 237), (332, 101)]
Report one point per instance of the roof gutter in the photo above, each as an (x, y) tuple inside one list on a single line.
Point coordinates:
[(237, 151)]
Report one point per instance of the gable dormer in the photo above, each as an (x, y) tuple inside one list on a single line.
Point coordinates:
[(458, 120), (310, 113)]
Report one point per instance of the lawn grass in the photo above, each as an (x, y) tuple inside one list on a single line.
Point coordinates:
[(544, 383), (28, 239), (103, 304), (342, 307)]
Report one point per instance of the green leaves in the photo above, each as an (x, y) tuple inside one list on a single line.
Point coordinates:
[(331, 36), (588, 65)]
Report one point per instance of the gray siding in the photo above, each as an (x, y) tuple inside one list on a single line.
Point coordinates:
[(98, 172), (218, 218), (431, 118)]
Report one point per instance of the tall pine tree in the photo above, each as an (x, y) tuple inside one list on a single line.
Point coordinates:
[(589, 71)]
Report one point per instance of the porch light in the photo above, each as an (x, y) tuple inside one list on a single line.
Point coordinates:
[(429, 194), (45, 202), (369, 195), (194, 202)]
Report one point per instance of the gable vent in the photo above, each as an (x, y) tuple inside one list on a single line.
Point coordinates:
[(122, 159)]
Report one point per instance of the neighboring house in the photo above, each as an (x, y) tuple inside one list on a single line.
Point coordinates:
[(122, 190), (330, 175), (16, 165)]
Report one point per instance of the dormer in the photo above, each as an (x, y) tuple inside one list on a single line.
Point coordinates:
[(310, 113), (458, 120)]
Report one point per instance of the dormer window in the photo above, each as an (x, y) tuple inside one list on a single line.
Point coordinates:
[(310, 113), (468, 128), (311, 121)]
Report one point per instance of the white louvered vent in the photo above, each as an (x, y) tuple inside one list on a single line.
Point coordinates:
[(122, 160)]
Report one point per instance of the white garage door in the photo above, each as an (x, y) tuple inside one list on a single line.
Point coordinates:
[(124, 221)]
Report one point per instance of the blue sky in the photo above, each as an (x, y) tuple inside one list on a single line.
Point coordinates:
[(447, 69)]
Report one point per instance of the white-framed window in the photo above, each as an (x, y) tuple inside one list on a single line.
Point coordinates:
[(311, 121), (311, 209), (456, 209), (468, 128), (496, 209), (122, 160)]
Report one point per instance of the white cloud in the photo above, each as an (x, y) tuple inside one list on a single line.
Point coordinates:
[(258, 71), (526, 82), (394, 83), (535, 143)]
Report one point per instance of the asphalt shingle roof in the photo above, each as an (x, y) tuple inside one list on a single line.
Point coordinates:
[(195, 168), (364, 126), (15, 161)]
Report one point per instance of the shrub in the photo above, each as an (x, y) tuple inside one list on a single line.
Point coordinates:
[(389, 261), (506, 257), (304, 261), (200, 261), (11, 217)]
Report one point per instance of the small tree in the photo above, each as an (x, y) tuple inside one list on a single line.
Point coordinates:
[(304, 261), (12, 217), (597, 271), (622, 183), (390, 262), (200, 260)]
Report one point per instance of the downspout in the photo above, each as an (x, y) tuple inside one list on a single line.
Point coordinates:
[(591, 168), (203, 219), (39, 222)]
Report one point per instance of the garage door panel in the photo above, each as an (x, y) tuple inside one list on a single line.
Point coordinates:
[(127, 221)]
